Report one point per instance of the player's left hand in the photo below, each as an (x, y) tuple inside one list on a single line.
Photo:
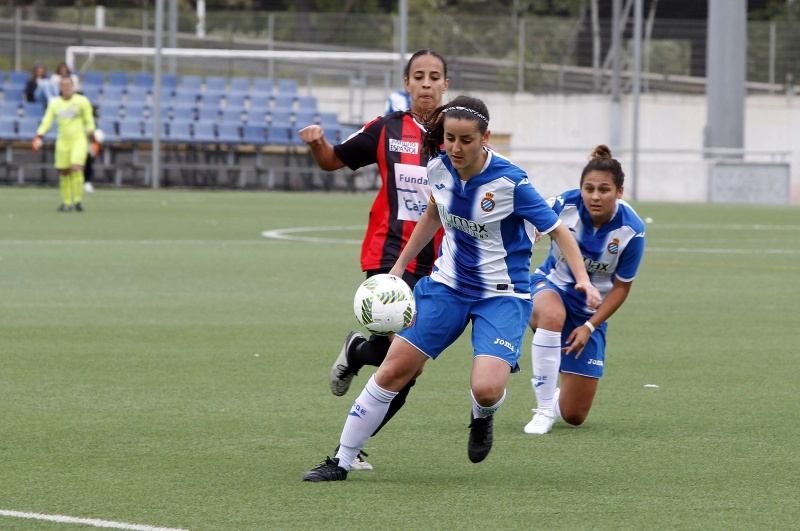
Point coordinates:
[(577, 341)]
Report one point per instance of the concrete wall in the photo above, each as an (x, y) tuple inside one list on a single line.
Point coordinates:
[(551, 137)]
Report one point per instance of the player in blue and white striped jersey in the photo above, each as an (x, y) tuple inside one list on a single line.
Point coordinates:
[(489, 211), (568, 336)]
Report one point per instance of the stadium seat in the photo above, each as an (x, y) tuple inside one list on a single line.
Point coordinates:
[(278, 135), (236, 100), (240, 84), (308, 103), (33, 110), (253, 134), (205, 132), (183, 114), (280, 116), (134, 112), (328, 120), (191, 83), (130, 131), (17, 78), (138, 95), (294, 136), (11, 109), (111, 110), (287, 86), (260, 102), (109, 127), (117, 79), (185, 96), (26, 128), (283, 102), (207, 114), (304, 118), (92, 78), (169, 82), (236, 116), (263, 85), (113, 94), (216, 84), (8, 128), (230, 133), (143, 80), (212, 99), (93, 92), (179, 131)]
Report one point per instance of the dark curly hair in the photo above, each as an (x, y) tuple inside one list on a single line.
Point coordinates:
[(601, 160)]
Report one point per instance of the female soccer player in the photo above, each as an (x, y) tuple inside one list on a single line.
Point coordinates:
[(568, 335), (75, 118), (489, 210), (394, 142)]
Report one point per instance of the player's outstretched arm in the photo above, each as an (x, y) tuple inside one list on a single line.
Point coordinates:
[(321, 149), (423, 233)]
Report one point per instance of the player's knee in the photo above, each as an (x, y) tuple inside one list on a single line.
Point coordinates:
[(574, 417), (487, 394)]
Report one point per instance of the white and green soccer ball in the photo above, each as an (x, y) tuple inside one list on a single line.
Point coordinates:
[(384, 304)]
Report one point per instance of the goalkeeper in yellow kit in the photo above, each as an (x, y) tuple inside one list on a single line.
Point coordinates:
[(73, 112)]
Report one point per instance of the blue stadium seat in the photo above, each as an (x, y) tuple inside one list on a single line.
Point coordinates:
[(212, 99), (207, 114), (131, 131), (138, 95), (230, 133), (179, 131), (287, 86), (260, 102), (93, 92), (294, 136), (92, 78), (183, 114), (205, 132), (26, 128), (235, 100), (278, 135), (134, 112), (240, 84), (109, 127), (148, 130), (118, 79), (143, 80), (263, 85), (306, 103), (191, 83), (304, 118), (185, 96), (236, 116), (8, 128), (280, 117), (169, 82), (113, 94), (17, 77), (253, 134), (111, 110), (33, 110), (328, 120), (14, 94), (283, 102), (11, 109), (216, 84)]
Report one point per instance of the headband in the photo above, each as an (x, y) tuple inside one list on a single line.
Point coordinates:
[(476, 113)]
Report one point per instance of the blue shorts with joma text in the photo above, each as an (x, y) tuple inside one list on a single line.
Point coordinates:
[(591, 361), (498, 323)]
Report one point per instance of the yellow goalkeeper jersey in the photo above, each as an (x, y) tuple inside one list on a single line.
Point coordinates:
[(74, 116)]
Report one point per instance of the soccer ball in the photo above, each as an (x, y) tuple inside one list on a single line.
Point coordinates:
[(99, 136), (384, 304)]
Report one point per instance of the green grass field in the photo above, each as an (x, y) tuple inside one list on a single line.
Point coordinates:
[(163, 364)]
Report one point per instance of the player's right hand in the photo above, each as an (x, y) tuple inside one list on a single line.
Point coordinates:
[(37, 143)]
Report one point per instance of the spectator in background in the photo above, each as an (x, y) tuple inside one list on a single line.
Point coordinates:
[(399, 100), (39, 89), (62, 70)]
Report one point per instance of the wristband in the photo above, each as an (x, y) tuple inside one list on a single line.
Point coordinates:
[(590, 326)]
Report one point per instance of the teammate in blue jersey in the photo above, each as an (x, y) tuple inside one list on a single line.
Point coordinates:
[(569, 336), (490, 212)]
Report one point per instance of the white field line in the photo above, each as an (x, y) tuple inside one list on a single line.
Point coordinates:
[(60, 518)]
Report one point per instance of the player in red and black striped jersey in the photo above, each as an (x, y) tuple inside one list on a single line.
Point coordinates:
[(394, 143)]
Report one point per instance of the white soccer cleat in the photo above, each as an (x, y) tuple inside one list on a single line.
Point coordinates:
[(541, 423)]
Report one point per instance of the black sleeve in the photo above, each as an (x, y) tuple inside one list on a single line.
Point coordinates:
[(362, 149)]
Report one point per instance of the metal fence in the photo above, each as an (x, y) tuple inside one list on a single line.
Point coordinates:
[(537, 55)]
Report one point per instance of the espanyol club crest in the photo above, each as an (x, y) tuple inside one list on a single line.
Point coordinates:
[(487, 203), (613, 246)]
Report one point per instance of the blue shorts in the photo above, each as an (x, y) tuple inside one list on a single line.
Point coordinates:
[(498, 323), (590, 362)]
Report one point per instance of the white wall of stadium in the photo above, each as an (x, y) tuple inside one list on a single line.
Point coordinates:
[(551, 136)]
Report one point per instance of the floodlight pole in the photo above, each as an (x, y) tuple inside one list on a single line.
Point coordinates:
[(636, 89), (402, 44), (155, 169)]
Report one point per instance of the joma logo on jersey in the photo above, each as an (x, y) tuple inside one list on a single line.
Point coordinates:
[(505, 343), (400, 146), (591, 361), (477, 230)]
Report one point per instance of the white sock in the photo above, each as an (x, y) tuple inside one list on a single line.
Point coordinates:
[(546, 360), (556, 409), (481, 412), (364, 418)]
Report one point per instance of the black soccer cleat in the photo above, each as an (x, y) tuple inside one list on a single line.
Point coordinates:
[(64, 208), (481, 437), (78, 207), (328, 470)]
